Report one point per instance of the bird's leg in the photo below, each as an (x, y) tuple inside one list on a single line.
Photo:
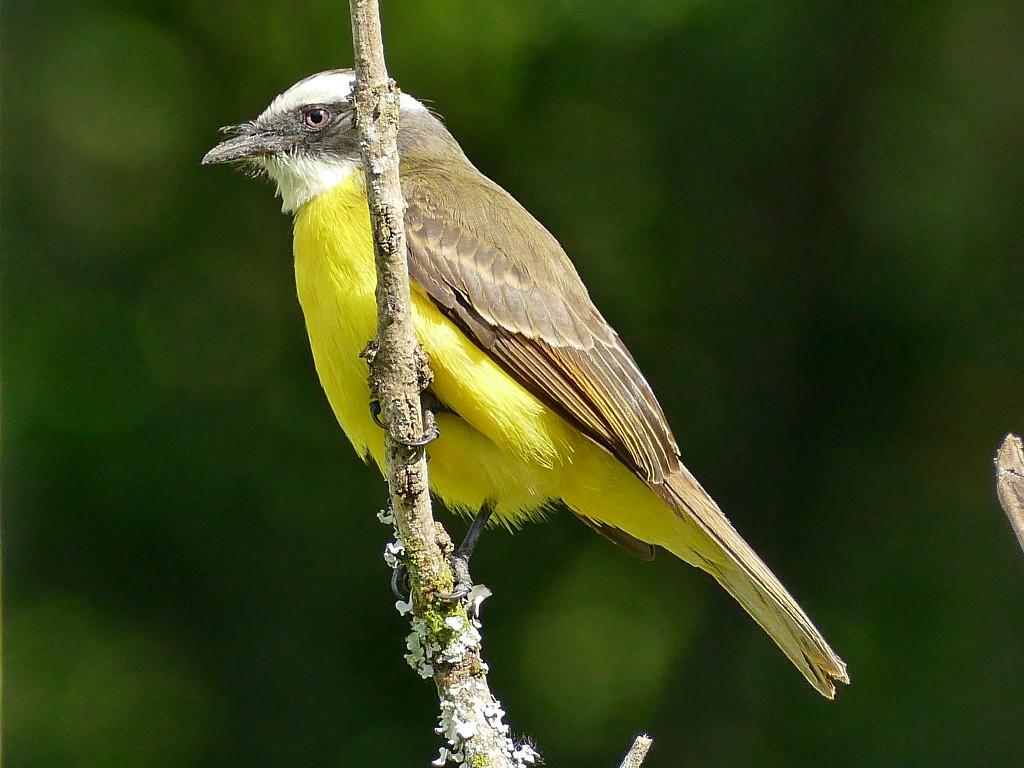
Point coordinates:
[(459, 561), (463, 587)]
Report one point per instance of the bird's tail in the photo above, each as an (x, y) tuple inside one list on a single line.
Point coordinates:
[(727, 557)]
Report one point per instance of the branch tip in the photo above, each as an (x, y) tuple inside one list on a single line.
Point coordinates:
[(1009, 463)]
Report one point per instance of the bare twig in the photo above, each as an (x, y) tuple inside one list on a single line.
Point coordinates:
[(1010, 483), (635, 757), (445, 642)]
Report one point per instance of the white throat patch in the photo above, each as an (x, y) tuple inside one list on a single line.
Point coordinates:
[(299, 179)]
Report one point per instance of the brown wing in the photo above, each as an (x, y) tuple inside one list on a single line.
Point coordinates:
[(496, 272)]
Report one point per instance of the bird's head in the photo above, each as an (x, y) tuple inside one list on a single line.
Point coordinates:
[(305, 140)]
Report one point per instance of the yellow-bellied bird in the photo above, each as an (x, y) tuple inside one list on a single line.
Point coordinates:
[(541, 402)]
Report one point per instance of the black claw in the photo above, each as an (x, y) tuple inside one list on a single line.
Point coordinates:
[(375, 414), (400, 582), (430, 434), (429, 437)]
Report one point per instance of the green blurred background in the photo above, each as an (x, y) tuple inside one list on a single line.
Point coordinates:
[(803, 217)]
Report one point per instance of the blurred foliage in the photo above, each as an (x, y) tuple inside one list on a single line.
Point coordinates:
[(804, 218)]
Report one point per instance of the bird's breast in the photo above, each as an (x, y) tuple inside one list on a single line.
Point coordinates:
[(496, 416), (335, 280)]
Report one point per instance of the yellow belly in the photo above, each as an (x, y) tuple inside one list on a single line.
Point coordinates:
[(504, 446)]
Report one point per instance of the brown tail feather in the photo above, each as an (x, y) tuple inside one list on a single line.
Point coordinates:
[(738, 568)]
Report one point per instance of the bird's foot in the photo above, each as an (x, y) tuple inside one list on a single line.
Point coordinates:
[(462, 581), (430, 430), (463, 587)]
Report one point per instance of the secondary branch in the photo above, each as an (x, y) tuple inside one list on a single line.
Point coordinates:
[(1010, 483)]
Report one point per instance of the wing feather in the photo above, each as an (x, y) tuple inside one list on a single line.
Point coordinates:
[(498, 274)]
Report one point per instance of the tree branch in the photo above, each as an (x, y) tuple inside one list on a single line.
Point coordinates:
[(445, 642), (635, 757), (1010, 483), (398, 372)]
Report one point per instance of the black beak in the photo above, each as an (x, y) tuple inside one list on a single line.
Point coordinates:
[(248, 143)]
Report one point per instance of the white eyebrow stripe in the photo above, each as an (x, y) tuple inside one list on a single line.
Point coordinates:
[(322, 88)]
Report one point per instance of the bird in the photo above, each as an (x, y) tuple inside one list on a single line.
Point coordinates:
[(539, 405)]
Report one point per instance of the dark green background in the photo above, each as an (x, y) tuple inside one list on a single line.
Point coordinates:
[(803, 217)]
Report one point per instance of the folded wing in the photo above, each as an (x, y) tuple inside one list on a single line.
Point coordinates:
[(501, 277)]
